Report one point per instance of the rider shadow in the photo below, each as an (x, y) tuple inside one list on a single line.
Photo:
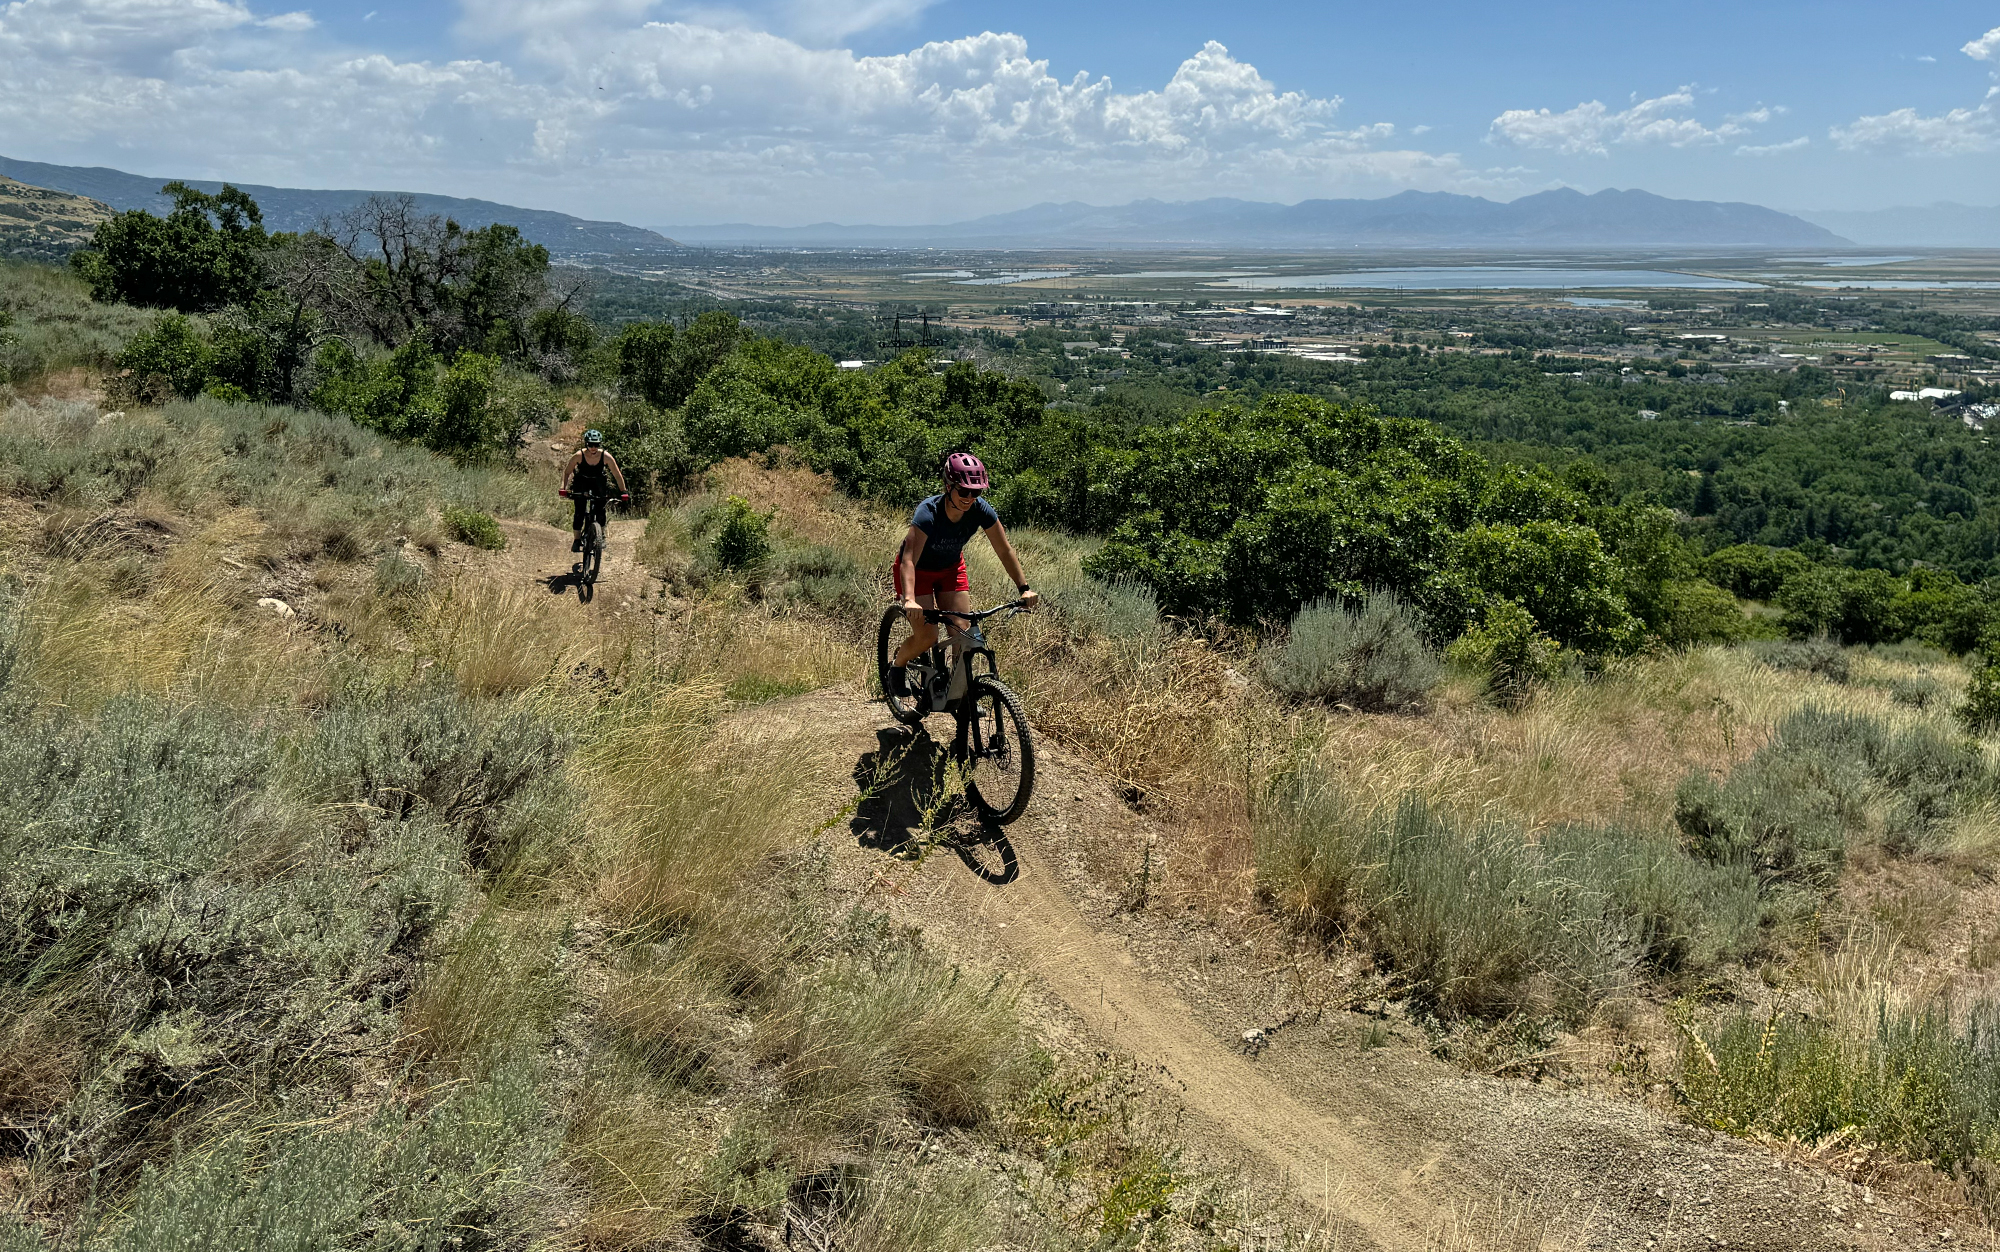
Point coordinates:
[(910, 796)]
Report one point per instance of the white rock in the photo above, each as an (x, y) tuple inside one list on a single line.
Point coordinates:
[(277, 606)]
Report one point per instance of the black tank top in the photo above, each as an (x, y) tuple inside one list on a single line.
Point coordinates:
[(591, 478)]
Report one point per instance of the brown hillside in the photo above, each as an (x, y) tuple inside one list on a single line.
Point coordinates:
[(38, 222)]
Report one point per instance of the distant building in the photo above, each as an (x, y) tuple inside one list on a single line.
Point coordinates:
[(851, 365), (1649, 415)]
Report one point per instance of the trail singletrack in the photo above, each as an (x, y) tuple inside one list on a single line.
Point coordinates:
[(1393, 1148), (538, 554)]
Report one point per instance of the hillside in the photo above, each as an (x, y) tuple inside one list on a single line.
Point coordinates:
[(299, 209), (1553, 219), (364, 883), (41, 223)]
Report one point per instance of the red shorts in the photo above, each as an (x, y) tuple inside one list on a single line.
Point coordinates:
[(932, 581)]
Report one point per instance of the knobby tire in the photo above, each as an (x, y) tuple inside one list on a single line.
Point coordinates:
[(903, 708), (1015, 738)]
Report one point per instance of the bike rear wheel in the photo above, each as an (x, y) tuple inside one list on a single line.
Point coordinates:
[(893, 633), (999, 753)]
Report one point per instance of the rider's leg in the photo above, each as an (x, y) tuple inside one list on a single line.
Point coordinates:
[(955, 601), (576, 523), (922, 636)]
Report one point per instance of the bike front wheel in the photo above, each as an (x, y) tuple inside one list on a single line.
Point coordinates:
[(895, 629), (593, 552), (999, 753)]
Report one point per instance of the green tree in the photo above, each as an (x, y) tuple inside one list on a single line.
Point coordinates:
[(207, 253)]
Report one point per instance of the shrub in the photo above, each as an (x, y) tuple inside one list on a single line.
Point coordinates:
[(1791, 812), (1919, 1081), (742, 536), (1559, 574), (1374, 657), (1981, 710), (1753, 571), (1854, 606), (1123, 610), (214, 938), (1919, 692), (1508, 652), (470, 526), (1478, 919), (1820, 656), (652, 449), (822, 578), (1699, 612), (171, 358), (459, 415)]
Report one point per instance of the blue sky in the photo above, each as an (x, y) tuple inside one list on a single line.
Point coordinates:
[(792, 111)]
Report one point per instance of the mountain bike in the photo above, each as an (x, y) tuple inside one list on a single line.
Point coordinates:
[(992, 742), (586, 569)]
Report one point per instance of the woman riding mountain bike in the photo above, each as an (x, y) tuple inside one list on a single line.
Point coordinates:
[(930, 569), (587, 480)]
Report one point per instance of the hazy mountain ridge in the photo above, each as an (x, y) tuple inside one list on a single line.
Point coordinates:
[(1561, 218), (1939, 225), (294, 209)]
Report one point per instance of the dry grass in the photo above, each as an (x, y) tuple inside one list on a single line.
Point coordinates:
[(92, 630)]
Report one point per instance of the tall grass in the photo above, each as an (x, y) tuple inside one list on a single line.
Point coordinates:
[(317, 478), (56, 325)]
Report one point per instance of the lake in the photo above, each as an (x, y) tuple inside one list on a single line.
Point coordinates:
[(1484, 277)]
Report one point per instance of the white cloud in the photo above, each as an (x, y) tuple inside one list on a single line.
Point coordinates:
[(1771, 149), (1984, 48), (1592, 128), (1955, 133), (594, 106)]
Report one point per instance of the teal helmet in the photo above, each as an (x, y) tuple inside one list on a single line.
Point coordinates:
[(593, 438)]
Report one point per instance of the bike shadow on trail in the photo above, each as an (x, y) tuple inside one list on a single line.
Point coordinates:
[(560, 584), (911, 800)]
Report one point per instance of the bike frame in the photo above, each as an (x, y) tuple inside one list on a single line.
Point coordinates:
[(968, 643)]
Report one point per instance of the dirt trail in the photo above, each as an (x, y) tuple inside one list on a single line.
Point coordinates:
[(539, 553), (1400, 1150), (1099, 981)]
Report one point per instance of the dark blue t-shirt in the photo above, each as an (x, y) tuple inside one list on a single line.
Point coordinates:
[(945, 540)]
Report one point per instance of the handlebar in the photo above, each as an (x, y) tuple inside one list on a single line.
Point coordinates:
[(938, 615)]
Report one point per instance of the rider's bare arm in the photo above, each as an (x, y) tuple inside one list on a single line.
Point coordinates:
[(1004, 549), (616, 473), (906, 562), (569, 469)]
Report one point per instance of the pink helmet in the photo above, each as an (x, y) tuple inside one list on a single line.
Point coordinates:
[(964, 470)]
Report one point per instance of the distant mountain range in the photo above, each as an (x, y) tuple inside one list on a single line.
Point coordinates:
[(1554, 220), (291, 208), (1940, 225), (1563, 219)]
